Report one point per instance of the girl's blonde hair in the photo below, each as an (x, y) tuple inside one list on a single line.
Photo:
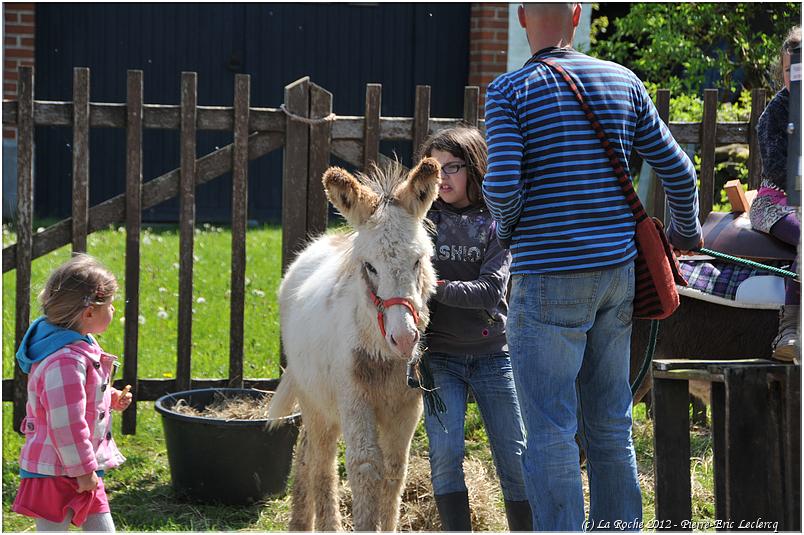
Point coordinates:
[(80, 282)]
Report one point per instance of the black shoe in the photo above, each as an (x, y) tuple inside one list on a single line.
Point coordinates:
[(453, 508), (519, 515)]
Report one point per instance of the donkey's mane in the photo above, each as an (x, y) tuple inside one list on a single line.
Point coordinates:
[(384, 180)]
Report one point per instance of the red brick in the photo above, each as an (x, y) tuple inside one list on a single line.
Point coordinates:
[(492, 46), (10, 74), (19, 29), (10, 64), (10, 41), (27, 41), (497, 24), (28, 17), (9, 133), (21, 6), (11, 16), (482, 35), (9, 88), (19, 53)]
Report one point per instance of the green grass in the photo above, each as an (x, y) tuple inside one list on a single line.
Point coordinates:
[(159, 279), (140, 493)]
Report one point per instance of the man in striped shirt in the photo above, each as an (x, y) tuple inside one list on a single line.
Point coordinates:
[(559, 207)]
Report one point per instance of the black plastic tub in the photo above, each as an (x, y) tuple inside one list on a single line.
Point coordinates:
[(235, 462)]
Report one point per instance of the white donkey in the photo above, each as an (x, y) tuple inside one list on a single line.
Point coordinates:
[(352, 307)]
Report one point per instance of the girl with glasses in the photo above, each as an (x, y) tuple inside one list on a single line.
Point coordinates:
[(465, 340)]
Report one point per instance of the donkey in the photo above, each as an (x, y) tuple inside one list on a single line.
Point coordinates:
[(352, 307), (704, 330)]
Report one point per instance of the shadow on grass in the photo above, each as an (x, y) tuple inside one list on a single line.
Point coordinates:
[(158, 508)]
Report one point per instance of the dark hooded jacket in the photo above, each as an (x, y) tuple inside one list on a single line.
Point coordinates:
[(469, 309)]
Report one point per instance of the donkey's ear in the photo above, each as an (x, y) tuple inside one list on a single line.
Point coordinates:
[(355, 201), (420, 189)]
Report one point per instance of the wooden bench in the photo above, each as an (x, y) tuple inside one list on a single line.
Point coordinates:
[(756, 435)]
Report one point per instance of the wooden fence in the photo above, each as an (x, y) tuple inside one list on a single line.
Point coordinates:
[(307, 131)]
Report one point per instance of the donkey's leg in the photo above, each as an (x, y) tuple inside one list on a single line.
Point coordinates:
[(324, 477), (396, 432), (302, 510), (364, 463)]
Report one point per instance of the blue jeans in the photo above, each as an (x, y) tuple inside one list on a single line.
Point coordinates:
[(492, 383), (569, 336)]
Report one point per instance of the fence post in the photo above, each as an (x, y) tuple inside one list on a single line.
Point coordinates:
[(80, 158), (242, 102), (708, 144), (187, 227), (754, 157), (25, 146), (421, 120), (294, 170), (658, 208), (134, 108), (294, 175), (371, 125), (320, 149), (471, 104)]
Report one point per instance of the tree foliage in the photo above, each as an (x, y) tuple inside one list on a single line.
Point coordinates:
[(688, 46)]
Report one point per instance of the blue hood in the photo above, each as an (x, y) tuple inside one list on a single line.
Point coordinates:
[(43, 339)]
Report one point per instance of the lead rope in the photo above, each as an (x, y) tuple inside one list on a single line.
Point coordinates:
[(749, 263), (421, 377)]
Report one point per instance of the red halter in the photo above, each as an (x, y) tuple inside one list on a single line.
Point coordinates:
[(382, 306)]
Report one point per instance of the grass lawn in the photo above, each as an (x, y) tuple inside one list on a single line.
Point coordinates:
[(139, 491)]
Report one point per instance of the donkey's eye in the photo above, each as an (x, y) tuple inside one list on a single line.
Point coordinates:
[(370, 268)]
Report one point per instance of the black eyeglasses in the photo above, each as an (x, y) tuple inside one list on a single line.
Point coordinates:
[(452, 168)]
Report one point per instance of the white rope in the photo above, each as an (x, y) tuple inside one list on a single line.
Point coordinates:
[(307, 120)]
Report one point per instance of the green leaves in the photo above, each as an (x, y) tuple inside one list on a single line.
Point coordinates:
[(685, 47)]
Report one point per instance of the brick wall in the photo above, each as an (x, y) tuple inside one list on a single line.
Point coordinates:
[(488, 45), (18, 48)]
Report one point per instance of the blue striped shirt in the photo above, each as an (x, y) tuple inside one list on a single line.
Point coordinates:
[(549, 184)]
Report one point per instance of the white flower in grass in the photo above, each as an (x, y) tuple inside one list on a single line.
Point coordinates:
[(200, 300), (258, 293), (162, 314), (175, 265), (160, 239), (121, 229), (248, 281), (146, 240), (122, 320), (162, 290), (196, 258), (141, 319), (206, 226)]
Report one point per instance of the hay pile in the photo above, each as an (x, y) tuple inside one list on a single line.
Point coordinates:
[(228, 408), (418, 511)]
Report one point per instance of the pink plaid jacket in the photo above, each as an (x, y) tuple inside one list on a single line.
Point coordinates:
[(68, 419)]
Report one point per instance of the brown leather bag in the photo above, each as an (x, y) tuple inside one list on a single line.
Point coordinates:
[(656, 268)]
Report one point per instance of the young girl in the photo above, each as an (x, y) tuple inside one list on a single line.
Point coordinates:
[(466, 346), (68, 439), (770, 212)]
